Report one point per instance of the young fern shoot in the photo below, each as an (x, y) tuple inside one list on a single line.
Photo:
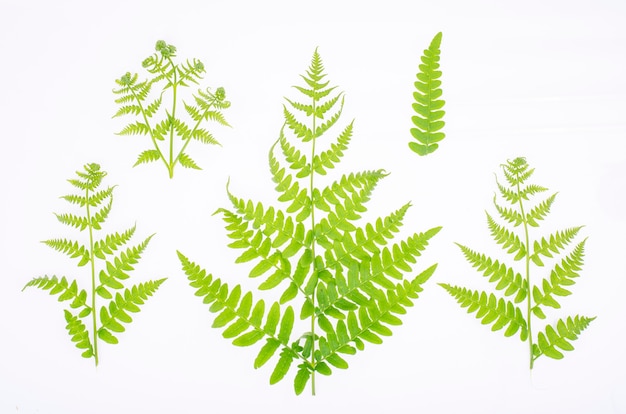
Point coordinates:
[(530, 300), (428, 118), (134, 98), (104, 254), (343, 279)]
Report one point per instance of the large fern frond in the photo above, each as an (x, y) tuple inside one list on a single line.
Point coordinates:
[(568, 330)]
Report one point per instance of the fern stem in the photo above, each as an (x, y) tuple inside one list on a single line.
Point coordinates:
[(313, 241), (173, 116), (145, 119), (528, 296), (92, 261)]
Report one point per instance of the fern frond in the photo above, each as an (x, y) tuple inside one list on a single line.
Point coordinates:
[(507, 239), (136, 128), (510, 215), (64, 290), (565, 331), (540, 211), (72, 220), (79, 334), (153, 107), (320, 130), (147, 156), (297, 161), (428, 105), (116, 314), (72, 248), (490, 310), (299, 129), (101, 215), (111, 243), (116, 269), (328, 158), (204, 136), (557, 241), (186, 161)]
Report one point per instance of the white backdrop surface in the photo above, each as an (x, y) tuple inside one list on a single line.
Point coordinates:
[(540, 79)]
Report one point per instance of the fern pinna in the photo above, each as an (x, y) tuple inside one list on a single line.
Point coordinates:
[(528, 300), (349, 281), (107, 283), (428, 118), (134, 98)]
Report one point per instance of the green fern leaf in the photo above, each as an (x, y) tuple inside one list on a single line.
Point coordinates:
[(428, 105), (97, 204), (147, 156), (186, 161), (565, 331), (491, 310), (165, 124), (497, 311), (71, 248), (347, 279), (79, 334)]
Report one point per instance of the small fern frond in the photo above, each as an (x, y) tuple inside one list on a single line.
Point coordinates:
[(111, 243), (113, 316), (72, 248), (507, 239), (64, 290), (79, 334), (299, 129), (147, 156), (73, 220), (330, 157), (540, 211), (490, 310), (538, 296), (428, 105), (187, 162), (556, 242), (565, 331)]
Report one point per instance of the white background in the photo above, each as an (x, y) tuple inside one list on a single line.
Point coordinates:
[(540, 79)]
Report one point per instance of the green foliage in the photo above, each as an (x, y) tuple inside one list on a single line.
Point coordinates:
[(428, 105), (105, 321), (340, 282), (501, 312), (167, 78)]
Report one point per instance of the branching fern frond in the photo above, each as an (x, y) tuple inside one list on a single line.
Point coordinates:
[(135, 100), (499, 312), (345, 280), (91, 324)]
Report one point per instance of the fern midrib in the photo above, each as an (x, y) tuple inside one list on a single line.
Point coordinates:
[(170, 167), (313, 242), (92, 261), (145, 119), (527, 258)]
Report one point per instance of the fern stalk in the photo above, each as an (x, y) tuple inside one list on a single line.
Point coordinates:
[(92, 262)]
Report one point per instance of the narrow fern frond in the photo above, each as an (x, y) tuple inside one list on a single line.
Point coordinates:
[(330, 157), (556, 242), (540, 211), (504, 276), (64, 290), (508, 214), (79, 334), (507, 239), (111, 243), (72, 248), (490, 310), (566, 331), (428, 105), (147, 156), (117, 313)]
